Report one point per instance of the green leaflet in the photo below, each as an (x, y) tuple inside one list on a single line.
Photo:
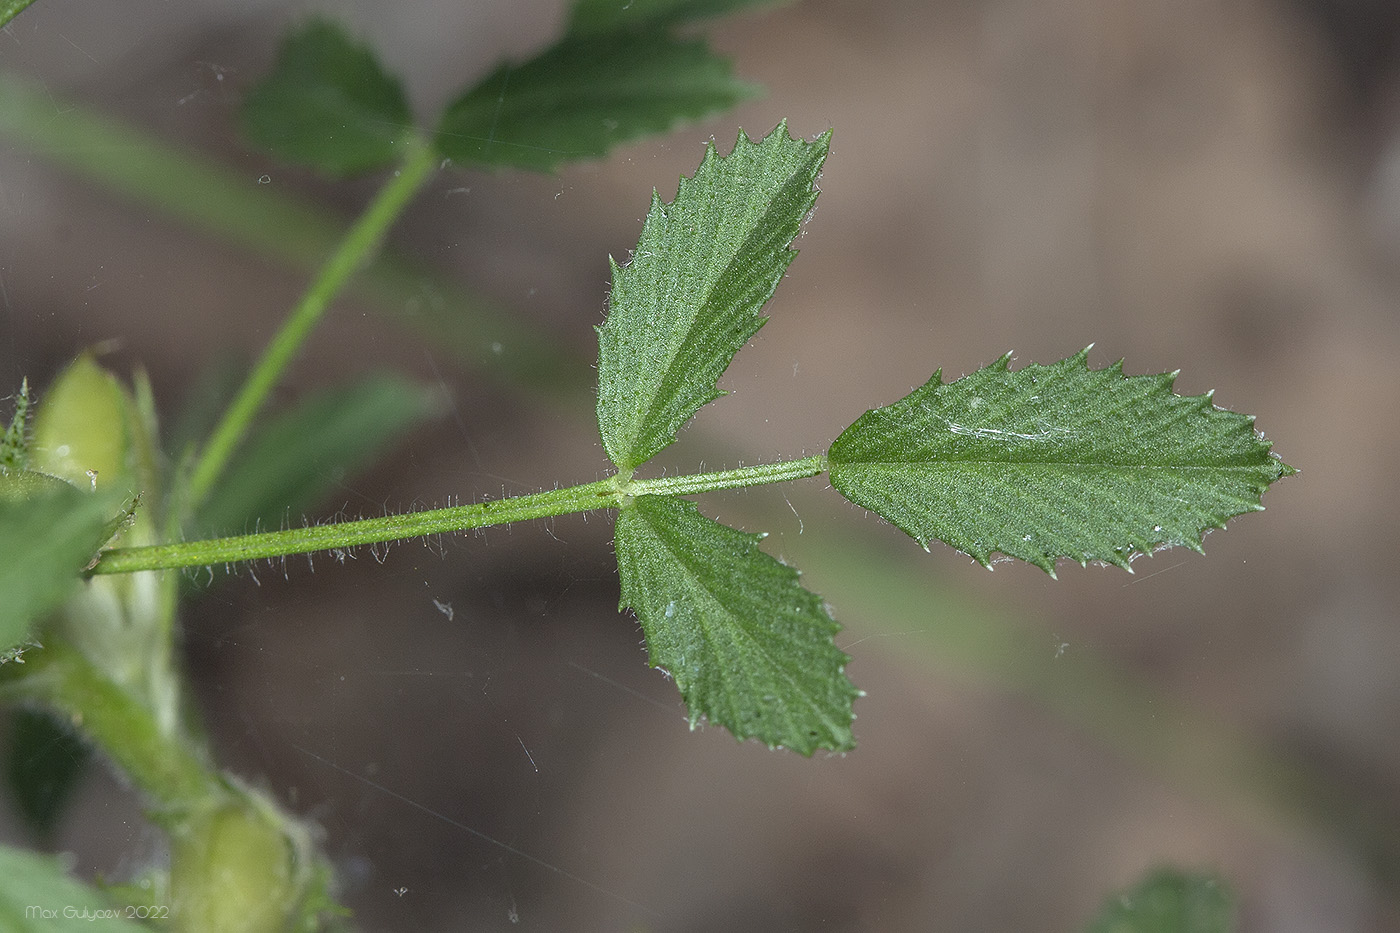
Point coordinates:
[(583, 96), (749, 648), (328, 104), (43, 761), (690, 296), (1169, 901), (595, 16), (1054, 461)]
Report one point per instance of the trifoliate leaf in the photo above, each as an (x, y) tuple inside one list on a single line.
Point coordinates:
[(1054, 461), (690, 296), (328, 104), (37, 896), (582, 97), (293, 460), (595, 16), (749, 648), (1169, 901)]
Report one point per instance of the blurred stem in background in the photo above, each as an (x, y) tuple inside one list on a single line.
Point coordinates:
[(1194, 752), (213, 199), (352, 251)]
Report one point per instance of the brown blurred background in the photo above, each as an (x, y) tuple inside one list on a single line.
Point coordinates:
[(1210, 186)]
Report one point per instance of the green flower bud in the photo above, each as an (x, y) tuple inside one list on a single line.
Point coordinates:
[(234, 869), (84, 428)]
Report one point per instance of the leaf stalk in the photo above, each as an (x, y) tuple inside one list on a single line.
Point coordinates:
[(165, 767), (609, 493)]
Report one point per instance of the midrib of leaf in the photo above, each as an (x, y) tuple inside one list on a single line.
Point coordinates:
[(619, 92), (591, 16), (956, 462), (1068, 434)]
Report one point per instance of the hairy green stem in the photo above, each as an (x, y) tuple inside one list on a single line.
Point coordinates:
[(601, 494), (165, 768), (221, 201), (235, 854), (612, 492), (358, 246)]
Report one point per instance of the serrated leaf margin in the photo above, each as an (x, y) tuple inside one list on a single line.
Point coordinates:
[(682, 355), (656, 530)]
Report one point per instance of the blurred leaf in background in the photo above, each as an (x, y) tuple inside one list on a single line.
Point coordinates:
[(593, 16), (585, 96), (328, 104), (1169, 901), (43, 761), (294, 459), (36, 896)]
